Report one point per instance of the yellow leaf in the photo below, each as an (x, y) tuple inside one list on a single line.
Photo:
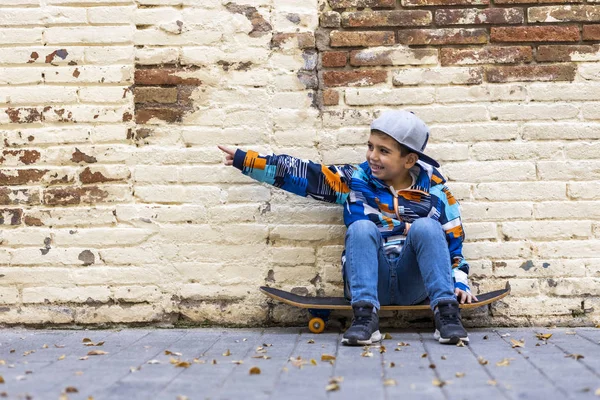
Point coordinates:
[(62, 357), (2, 362), (254, 371), (482, 360), (1, 379), (492, 382), (397, 349), (517, 343), (597, 393), (86, 340), (181, 397), (438, 383), (367, 353), (382, 349), (45, 346), (332, 387), (460, 343), (71, 389), (28, 352), (389, 382), (424, 355), (402, 344), (182, 364), (459, 374), (227, 353), (63, 396), (78, 373), (173, 353), (97, 353), (327, 357), (198, 361), (543, 336), (313, 361), (575, 356), (264, 357), (387, 336), (83, 358), (173, 360), (238, 362), (504, 363)]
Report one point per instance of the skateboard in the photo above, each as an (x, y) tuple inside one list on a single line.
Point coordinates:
[(320, 307)]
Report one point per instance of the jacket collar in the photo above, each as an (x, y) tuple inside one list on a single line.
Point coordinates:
[(427, 176)]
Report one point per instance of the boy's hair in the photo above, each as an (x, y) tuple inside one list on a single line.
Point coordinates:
[(404, 151)]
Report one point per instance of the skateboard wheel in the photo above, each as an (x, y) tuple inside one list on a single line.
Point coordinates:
[(316, 325)]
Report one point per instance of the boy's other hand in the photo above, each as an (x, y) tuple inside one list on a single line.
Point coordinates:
[(229, 153), (464, 297)]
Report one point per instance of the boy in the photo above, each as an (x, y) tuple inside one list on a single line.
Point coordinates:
[(404, 237)]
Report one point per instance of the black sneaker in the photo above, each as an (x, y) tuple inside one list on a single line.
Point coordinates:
[(365, 326), (448, 326)]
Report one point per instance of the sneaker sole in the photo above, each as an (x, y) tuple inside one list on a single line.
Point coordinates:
[(375, 337), (450, 340)]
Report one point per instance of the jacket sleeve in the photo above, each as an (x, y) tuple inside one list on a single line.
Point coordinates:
[(302, 177), (455, 235)]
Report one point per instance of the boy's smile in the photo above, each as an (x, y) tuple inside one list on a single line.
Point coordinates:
[(386, 161)]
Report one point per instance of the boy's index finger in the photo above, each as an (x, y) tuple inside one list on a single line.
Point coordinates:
[(226, 150)]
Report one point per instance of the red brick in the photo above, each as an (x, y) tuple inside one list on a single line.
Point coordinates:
[(564, 13), (336, 4), (442, 36), (591, 32), (306, 40), (487, 55), (431, 3), (330, 19), (155, 95), (564, 33), (11, 216), (535, 1), (87, 176), (561, 53), (472, 16), (531, 73), (164, 76), (331, 97), (143, 115), (362, 77), (74, 195), (26, 157), (10, 197), (332, 59), (363, 39), (367, 19), (32, 221), (21, 176)]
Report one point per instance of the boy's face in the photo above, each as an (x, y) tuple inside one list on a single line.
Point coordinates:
[(385, 159)]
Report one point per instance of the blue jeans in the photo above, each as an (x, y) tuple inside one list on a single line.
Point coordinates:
[(421, 270)]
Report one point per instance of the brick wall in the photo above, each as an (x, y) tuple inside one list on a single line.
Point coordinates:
[(115, 207)]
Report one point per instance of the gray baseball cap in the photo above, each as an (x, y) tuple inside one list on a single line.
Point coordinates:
[(407, 129)]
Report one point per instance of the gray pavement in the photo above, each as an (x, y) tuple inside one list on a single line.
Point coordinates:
[(498, 364)]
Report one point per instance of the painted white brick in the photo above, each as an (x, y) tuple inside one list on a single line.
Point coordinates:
[(587, 91), (35, 95), (583, 150), (497, 171), (12, 36), (546, 230), (568, 249), (72, 217), (569, 170), (561, 130), (517, 151), (9, 295), (516, 191), (496, 250), (45, 16), (361, 97), (89, 35), (160, 214), (481, 93), (589, 71), (473, 132), (591, 111), (481, 211), (153, 56), (109, 55), (37, 55), (108, 94), (524, 112), (110, 15), (566, 210), (445, 114), (584, 190), (546, 267), (437, 76), (480, 231), (65, 294)]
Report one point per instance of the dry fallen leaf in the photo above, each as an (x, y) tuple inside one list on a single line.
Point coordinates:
[(227, 353), (214, 362), (397, 349), (485, 337), (264, 357), (432, 366), (244, 339), (517, 343), (382, 349), (597, 393), (570, 333), (152, 362), (438, 383), (505, 335), (134, 369), (238, 362), (2, 362), (28, 352), (1, 379), (93, 344), (71, 389), (313, 361), (83, 358), (392, 364), (367, 353), (12, 350), (182, 364), (543, 336), (58, 346), (327, 357), (505, 362), (482, 360), (402, 344), (97, 353), (310, 341), (254, 371), (62, 357), (182, 397), (332, 387), (575, 356), (443, 357), (492, 382), (198, 361), (389, 382), (459, 374), (86, 340), (172, 353), (267, 345), (78, 373), (387, 336), (424, 355), (460, 343)]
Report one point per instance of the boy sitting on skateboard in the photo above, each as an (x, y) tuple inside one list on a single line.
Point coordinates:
[(404, 237)]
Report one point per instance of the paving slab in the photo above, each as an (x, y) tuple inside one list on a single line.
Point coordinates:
[(293, 363)]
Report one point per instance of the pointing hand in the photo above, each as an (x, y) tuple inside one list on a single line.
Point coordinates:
[(229, 153)]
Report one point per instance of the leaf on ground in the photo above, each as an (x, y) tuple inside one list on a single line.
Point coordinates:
[(267, 345), (389, 382), (244, 340), (214, 362), (485, 337), (460, 343), (424, 355), (12, 350), (313, 361), (517, 343), (310, 341), (392, 364), (443, 357), (2, 362), (382, 349), (459, 374), (173, 360), (492, 382), (570, 333), (402, 344), (182, 364), (134, 369), (227, 353), (58, 346), (543, 336), (432, 366), (238, 362), (28, 352), (505, 362), (86, 340), (254, 371), (398, 349), (332, 387), (62, 357), (505, 335), (597, 393), (367, 353), (387, 336), (438, 383), (71, 389), (152, 362), (264, 357), (45, 346), (297, 362), (171, 353), (93, 344), (63, 396), (97, 353), (83, 358), (482, 360), (327, 357), (182, 397), (1, 379), (78, 373), (575, 356)]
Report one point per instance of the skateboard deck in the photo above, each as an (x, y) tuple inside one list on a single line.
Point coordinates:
[(320, 307), (340, 303)]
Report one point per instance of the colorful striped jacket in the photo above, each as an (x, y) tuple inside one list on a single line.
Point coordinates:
[(366, 197)]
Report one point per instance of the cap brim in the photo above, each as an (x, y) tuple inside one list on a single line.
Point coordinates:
[(424, 158)]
